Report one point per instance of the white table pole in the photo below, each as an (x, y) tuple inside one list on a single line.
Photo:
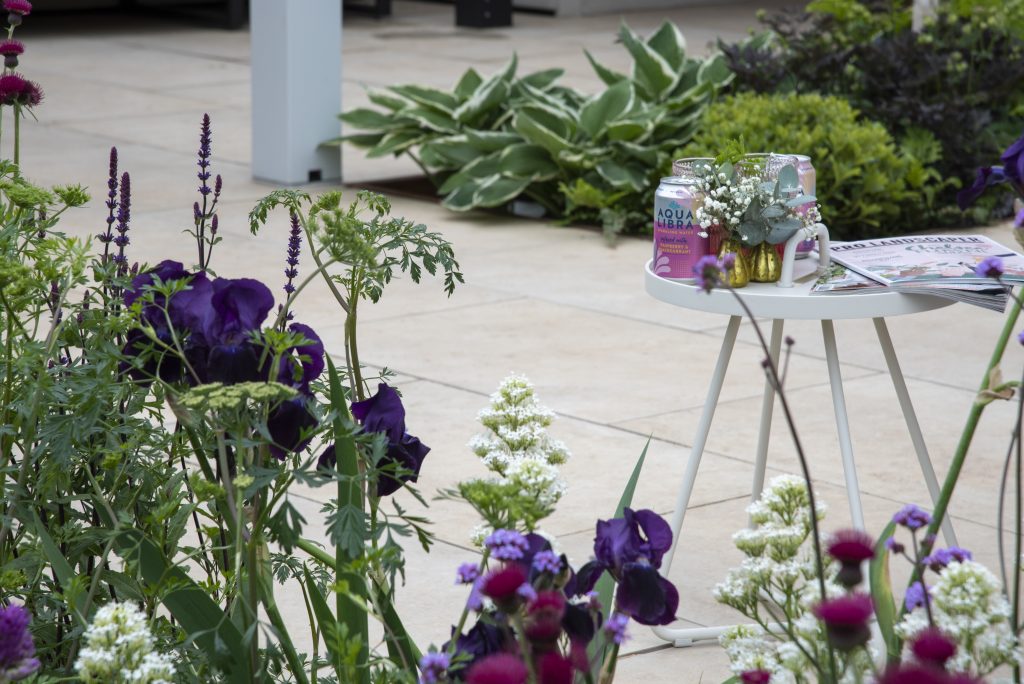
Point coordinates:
[(913, 427), (842, 423), (296, 89), (701, 439), (767, 408)]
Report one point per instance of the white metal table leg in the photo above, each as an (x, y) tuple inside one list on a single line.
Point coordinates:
[(828, 334), (900, 385), (767, 407), (684, 636)]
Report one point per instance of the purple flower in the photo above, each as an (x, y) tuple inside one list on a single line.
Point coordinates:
[(915, 595), (124, 217), (16, 90), (543, 623), (1018, 220), (291, 425), (384, 413), (303, 363), (846, 620), (756, 677), (940, 558), (294, 249), (506, 545), (932, 647), (17, 651), (990, 267), (481, 641), (10, 49), (205, 138), (1020, 337), (631, 549), (1013, 160), (912, 517), (851, 548), (708, 272), (547, 561), (22, 7), (502, 586), (434, 668), (500, 668), (985, 177), (467, 573), (615, 628), (554, 668), (111, 202), (894, 545)]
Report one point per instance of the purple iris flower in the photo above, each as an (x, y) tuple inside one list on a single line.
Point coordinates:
[(240, 307), (384, 413), (484, 639), (291, 425), (1013, 161), (631, 548), (17, 652), (307, 362), (985, 177)]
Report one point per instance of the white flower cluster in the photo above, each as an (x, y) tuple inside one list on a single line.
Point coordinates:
[(725, 200), (119, 649), (520, 452), (969, 606), (776, 578), (517, 425)]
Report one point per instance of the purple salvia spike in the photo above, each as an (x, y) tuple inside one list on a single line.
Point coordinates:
[(213, 225), (123, 218), (204, 156), (111, 200)]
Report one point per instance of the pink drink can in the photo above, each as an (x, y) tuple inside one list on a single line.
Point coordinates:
[(678, 243), (808, 182)]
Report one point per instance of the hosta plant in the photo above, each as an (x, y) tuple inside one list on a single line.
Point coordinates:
[(590, 158)]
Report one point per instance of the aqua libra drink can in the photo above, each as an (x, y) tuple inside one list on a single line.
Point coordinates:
[(809, 183), (678, 243)]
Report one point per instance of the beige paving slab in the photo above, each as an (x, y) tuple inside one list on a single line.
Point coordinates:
[(885, 457), (444, 418), (579, 358)]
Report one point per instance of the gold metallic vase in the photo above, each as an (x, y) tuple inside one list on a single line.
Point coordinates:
[(765, 264), (739, 276)]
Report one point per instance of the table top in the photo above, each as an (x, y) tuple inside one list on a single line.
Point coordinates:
[(767, 300)]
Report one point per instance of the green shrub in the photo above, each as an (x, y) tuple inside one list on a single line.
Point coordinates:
[(583, 158), (865, 185)]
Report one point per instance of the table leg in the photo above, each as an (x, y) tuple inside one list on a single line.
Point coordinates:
[(900, 385), (828, 334), (767, 407)]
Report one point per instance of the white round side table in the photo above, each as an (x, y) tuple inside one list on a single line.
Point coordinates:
[(766, 300)]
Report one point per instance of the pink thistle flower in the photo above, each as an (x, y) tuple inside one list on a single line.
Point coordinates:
[(846, 620), (500, 668), (851, 548), (20, 7), (932, 647), (11, 47)]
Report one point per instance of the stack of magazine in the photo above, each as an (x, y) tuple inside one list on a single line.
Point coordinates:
[(939, 265)]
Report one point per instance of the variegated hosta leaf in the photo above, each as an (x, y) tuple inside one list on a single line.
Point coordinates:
[(481, 168), (382, 99), (668, 42), (604, 73), (487, 95), (537, 128), (622, 175), (396, 143), (654, 76), (607, 107), (455, 151), (430, 98), (542, 80), (368, 119), (491, 141), (467, 85), (499, 190), (525, 160), (429, 119)]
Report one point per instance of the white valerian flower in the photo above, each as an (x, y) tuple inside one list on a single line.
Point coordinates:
[(969, 606), (120, 649)]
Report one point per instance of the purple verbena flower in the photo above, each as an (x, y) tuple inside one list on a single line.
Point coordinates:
[(708, 272), (526, 592), (912, 517), (894, 545), (17, 651), (615, 628), (990, 267), (434, 668), (940, 558), (915, 595), (467, 573), (547, 561), (506, 545), (1020, 337)]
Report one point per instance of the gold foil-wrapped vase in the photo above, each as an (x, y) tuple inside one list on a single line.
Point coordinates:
[(765, 264), (739, 276)]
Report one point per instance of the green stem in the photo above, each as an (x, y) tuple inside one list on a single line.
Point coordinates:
[(274, 615), (17, 136), (960, 455), (350, 339)]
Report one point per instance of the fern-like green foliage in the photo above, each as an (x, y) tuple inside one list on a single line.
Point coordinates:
[(491, 140), (866, 187)]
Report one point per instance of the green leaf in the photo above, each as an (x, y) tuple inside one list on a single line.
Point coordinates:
[(324, 618), (370, 119), (715, 71), (364, 140), (461, 198), (431, 98), (622, 175), (455, 150), (499, 190), (668, 42), (492, 141), (59, 563), (477, 170), (402, 650), (487, 96), (536, 132), (468, 84), (525, 160), (604, 73), (628, 130), (429, 119), (396, 143), (881, 593), (650, 69), (606, 107), (542, 80), (382, 99)]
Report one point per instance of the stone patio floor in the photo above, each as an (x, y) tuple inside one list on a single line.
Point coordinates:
[(554, 303)]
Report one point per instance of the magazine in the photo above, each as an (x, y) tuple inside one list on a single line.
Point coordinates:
[(940, 265)]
